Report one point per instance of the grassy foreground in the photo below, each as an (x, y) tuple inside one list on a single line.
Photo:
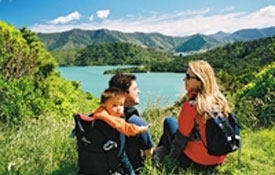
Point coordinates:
[(45, 147)]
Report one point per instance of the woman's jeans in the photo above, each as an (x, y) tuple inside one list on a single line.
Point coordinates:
[(170, 127)]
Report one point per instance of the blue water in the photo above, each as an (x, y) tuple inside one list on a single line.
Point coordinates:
[(162, 89)]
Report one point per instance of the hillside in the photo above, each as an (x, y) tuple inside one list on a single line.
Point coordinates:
[(31, 87), (119, 53), (236, 59), (67, 46), (77, 38)]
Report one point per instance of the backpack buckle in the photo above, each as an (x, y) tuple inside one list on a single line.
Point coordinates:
[(109, 145)]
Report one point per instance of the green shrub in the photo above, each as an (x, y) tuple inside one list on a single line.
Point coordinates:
[(255, 104)]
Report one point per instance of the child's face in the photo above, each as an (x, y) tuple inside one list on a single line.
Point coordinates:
[(115, 106)]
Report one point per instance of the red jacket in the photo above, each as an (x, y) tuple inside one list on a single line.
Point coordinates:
[(195, 150)]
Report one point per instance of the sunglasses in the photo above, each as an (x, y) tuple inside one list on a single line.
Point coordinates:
[(188, 77)]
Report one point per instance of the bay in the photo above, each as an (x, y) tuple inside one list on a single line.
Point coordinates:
[(161, 89)]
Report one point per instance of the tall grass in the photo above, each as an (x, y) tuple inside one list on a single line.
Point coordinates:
[(45, 147), (38, 147)]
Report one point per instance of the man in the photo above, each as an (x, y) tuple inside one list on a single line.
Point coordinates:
[(140, 146)]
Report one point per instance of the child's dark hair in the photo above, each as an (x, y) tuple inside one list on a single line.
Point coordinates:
[(111, 93)]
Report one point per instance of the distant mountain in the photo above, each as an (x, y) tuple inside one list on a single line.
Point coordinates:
[(269, 31), (245, 34), (196, 43), (81, 38), (77, 38), (220, 35)]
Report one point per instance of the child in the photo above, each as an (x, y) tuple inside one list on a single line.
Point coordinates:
[(111, 111)]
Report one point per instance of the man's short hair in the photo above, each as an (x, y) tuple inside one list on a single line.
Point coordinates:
[(122, 81)]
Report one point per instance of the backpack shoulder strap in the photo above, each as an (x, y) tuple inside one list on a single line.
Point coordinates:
[(234, 120), (77, 117), (129, 111), (87, 118)]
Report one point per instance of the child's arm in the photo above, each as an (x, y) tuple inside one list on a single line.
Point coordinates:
[(119, 123)]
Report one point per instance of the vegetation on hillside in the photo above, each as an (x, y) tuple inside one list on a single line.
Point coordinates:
[(77, 38), (65, 58), (119, 53), (37, 103), (30, 85), (255, 102)]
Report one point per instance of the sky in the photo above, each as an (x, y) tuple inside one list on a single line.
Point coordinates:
[(168, 17)]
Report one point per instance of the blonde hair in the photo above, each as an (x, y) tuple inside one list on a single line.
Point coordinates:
[(209, 97)]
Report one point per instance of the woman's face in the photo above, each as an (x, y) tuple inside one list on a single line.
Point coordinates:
[(192, 82)]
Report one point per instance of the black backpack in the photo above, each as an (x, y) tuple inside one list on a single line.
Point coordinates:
[(222, 134), (99, 146)]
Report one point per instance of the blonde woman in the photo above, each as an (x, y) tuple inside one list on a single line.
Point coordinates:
[(180, 145)]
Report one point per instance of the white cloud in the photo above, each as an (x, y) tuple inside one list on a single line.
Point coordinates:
[(268, 11), (91, 18), (66, 19), (181, 23), (102, 14)]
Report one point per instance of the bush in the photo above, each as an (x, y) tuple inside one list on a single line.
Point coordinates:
[(255, 103)]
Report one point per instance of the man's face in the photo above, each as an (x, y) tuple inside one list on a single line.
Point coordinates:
[(132, 98)]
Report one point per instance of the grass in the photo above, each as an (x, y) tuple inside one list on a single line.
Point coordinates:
[(42, 147), (45, 147)]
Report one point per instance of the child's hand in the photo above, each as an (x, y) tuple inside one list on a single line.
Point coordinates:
[(143, 129)]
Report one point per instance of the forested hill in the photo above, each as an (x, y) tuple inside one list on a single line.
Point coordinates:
[(77, 38), (120, 53), (31, 88), (239, 58)]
